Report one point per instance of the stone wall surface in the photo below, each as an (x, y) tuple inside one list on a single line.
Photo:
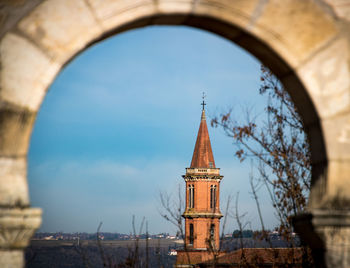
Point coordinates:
[(11, 11), (304, 42)]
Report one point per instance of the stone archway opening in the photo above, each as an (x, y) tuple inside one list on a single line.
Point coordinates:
[(89, 85), (39, 40)]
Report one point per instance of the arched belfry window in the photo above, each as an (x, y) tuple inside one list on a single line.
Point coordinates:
[(212, 231), (191, 196), (191, 234), (212, 196)]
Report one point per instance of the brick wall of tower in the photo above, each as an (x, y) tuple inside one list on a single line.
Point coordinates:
[(202, 225), (202, 196), (202, 233)]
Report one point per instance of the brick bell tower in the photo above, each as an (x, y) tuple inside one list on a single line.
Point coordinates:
[(202, 214)]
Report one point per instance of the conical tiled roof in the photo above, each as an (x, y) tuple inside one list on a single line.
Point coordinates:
[(203, 155)]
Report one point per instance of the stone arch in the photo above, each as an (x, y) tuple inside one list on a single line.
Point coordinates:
[(304, 43)]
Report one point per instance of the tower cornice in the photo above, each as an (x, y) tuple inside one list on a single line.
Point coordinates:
[(202, 177), (196, 214), (209, 171), (202, 174)]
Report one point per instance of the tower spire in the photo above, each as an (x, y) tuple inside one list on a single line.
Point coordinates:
[(202, 154)]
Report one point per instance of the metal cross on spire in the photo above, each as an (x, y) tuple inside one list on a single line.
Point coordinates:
[(203, 103)]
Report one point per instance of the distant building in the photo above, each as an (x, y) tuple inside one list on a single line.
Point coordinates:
[(172, 252)]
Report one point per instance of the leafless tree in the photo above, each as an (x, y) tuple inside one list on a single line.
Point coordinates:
[(171, 210), (226, 214), (133, 260), (280, 146), (281, 152)]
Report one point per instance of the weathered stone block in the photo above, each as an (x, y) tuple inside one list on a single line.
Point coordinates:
[(13, 182), (11, 11), (11, 258), (327, 77), (115, 13), (327, 232), (334, 227), (238, 12), (17, 226), (62, 27), (338, 185), (318, 185), (340, 7), (25, 72), (295, 29), (175, 6), (337, 136), (15, 130)]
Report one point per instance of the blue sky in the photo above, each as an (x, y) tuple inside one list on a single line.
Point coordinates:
[(119, 124)]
